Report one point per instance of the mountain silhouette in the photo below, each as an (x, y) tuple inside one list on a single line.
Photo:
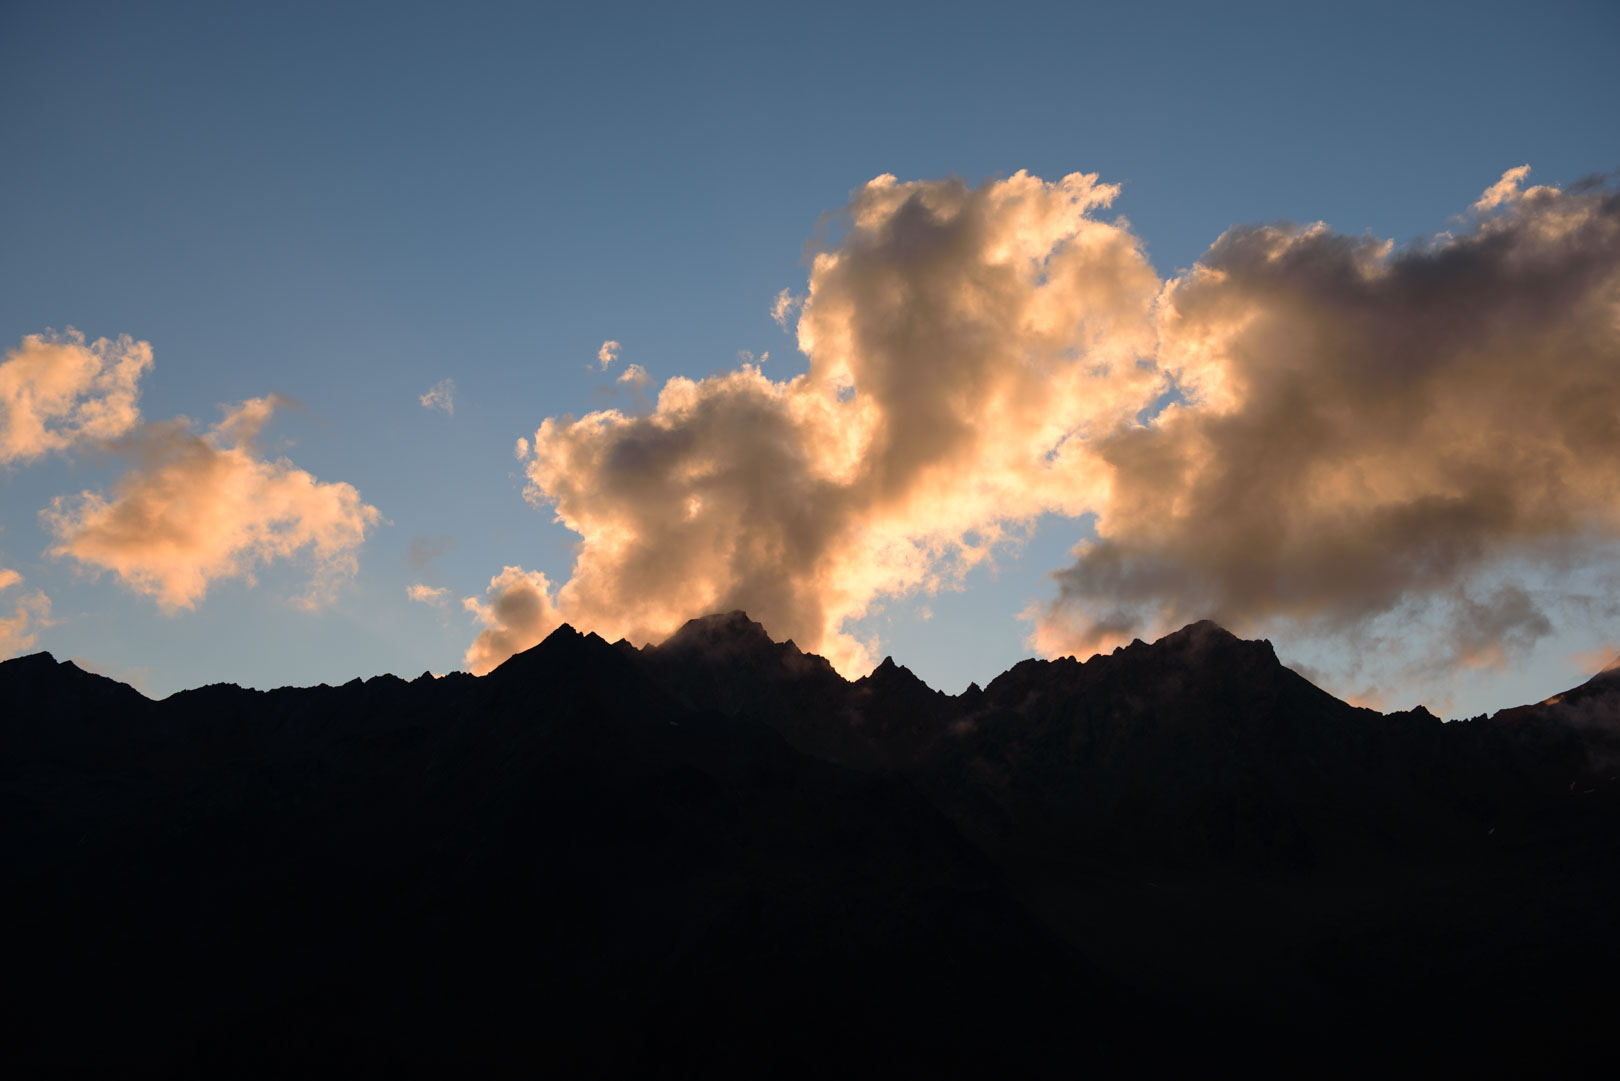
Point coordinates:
[(716, 856)]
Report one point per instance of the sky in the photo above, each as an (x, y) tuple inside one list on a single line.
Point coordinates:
[(350, 339)]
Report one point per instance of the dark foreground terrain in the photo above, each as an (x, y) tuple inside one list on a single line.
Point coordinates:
[(717, 857)]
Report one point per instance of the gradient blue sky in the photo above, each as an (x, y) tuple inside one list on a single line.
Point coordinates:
[(345, 204)]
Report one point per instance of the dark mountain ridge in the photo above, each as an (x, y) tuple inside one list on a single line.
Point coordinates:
[(716, 855)]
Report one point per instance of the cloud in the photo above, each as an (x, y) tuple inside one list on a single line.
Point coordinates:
[(635, 375), (28, 613), (428, 595), (198, 508), (961, 340), (518, 611), (783, 307), (57, 392), (607, 354), (425, 548), (1507, 191), (1370, 435), (441, 396), (1591, 662), (1305, 429)]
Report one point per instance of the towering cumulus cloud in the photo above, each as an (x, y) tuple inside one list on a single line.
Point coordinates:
[(1369, 432), (56, 392), (1355, 430), (202, 507), (963, 344)]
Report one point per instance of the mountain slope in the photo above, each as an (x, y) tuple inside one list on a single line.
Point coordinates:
[(556, 863), (716, 856)]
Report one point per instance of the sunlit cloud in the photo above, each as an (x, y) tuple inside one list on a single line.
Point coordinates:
[(199, 508), (57, 392), (607, 354), (1305, 429), (1590, 662), (423, 594), (29, 612), (635, 375), (1507, 190), (517, 612), (959, 340), (441, 396), (1370, 434), (783, 307)]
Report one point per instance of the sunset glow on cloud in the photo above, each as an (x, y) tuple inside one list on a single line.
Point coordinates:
[(920, 350), (944, 398), (57, 392), (441, 396), (198, 508), (1369, 430), (517, 612), (1305, 427), (28, 612)]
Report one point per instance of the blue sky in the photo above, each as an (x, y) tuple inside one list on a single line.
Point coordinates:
[(345, 204)]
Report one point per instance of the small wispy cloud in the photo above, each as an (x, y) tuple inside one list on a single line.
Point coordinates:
[(422, 594), (441, 396), (30, 612), (608, 353), (425, 548), (1504, 190), (783, 307), (635, 375)]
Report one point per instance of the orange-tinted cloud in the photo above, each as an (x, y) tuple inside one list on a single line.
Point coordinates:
[(29, 612), (425, 594), (963, 342), (1370, 433), (198, 508), (783, 307), (57, 392), (440, 396), (517, 612), (1354, 431)]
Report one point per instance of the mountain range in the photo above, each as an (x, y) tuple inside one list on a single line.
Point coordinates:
[(715, 856)]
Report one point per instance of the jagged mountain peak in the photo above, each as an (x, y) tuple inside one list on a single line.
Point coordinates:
[(1206, 634), (733, 639), (565, 645), (891, 673), (730, 630)]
